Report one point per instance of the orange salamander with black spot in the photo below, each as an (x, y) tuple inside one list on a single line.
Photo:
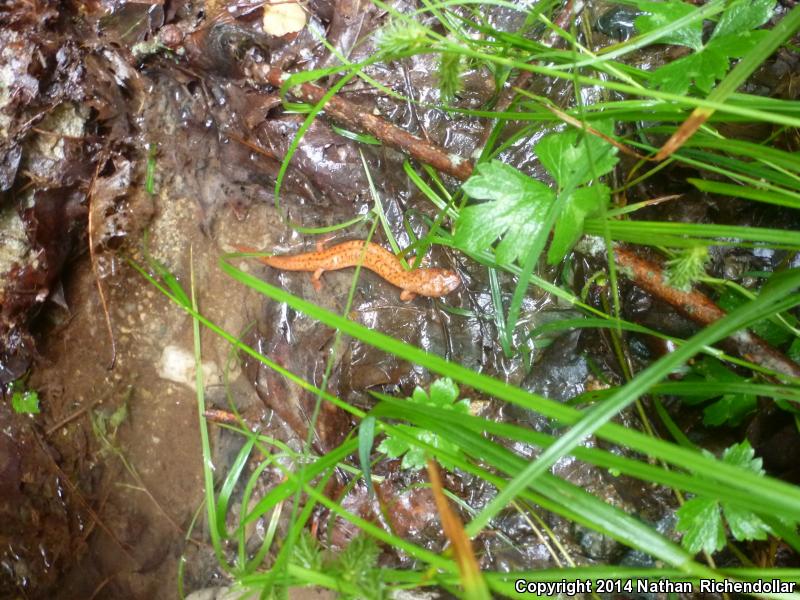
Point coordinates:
[(433, 282)]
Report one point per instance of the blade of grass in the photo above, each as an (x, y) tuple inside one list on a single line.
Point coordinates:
[(208, 475), (688, 234), (776, 196), (464, 428)]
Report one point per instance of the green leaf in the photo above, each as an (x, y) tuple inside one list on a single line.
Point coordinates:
[(443, 392), (743, 15), (150, 173), (517, 205), (575, 157), (450, 71), (771, 332), (688, 266), (357, 564), (744, 525), (443, 395), (582, 203), (700, 521), (736, 45), (700, 517), (701, 68), (400, 36), (794, 350), (393, 447), (119, 416), (733, 37), (660, 14), (25, 402), (742, 455), (414, 459), (366, 436), (307, 552), (731, 408)]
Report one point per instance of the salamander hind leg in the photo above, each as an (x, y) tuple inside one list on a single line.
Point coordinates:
[(316, 279)]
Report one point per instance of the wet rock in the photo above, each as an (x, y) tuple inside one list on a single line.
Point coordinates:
[(10, 471), (640, 307), (9, 163), (561, 372), (306, 357), (350, 22), (617, 22), (130, 23), (42, 216), (597, 546), (221, 593), (328, 161), (412, 512), (460, 136), (53, 224), (178, 365), (777, 442)]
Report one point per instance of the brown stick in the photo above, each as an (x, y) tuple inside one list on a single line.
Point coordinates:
[(650, 277), (217, 415), (350, 115), (699, 308), (93, 259)]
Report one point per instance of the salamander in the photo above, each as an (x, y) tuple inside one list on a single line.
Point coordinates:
[(432, 282)]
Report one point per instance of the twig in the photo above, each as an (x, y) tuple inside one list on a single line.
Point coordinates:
[(93, 260), (353, 116), (700, 309), (453, 528), (101, 585), (217, 415), (70, 417)]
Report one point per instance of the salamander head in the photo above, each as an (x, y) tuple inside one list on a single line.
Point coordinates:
[(441, 282)]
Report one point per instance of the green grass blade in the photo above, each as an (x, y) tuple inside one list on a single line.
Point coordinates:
[(688, 234), (775, 196)]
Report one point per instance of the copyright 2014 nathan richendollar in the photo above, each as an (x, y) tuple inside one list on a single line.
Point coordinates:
[(607, 586)]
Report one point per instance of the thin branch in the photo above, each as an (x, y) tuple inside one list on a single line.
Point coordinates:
[(357, 117), (699, 308), (93, 260)]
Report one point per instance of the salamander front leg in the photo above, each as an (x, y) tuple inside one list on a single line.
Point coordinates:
[(407, 296), (319, 245), (316, 279)]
